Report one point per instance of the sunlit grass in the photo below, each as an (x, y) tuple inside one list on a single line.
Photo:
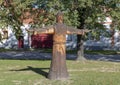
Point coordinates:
[(34, 72)]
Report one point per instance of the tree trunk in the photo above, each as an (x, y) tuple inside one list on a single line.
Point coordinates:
[(80, 48), (80, 42), (58, 68), (112, 38)]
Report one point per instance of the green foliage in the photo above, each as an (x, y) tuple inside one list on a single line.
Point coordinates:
[(1, 1), (78, 13), (10, 15), (70, 16), (114, 12), (91, 12)]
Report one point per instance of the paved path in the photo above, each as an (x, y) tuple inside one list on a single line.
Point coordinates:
[(29, 55), (37, 55), (113, 58)]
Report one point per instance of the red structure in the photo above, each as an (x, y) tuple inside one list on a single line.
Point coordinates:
[(21, 42), (42, 41)]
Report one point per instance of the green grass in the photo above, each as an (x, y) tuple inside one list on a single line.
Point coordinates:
[(33, 72), (105, 52)]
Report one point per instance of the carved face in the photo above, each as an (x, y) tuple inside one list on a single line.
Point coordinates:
[(59, 17)]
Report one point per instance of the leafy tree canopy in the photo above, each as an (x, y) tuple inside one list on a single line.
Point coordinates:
[(76, 12)]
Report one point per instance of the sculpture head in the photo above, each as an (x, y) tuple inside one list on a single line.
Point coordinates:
[(59, 17)]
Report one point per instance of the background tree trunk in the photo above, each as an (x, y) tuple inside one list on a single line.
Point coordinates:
[(112, 38), (80, 41), (80, 48)]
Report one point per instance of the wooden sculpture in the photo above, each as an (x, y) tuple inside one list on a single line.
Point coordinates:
[(58, 68)]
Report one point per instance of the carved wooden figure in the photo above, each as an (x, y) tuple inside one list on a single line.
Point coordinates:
[(58, 69)]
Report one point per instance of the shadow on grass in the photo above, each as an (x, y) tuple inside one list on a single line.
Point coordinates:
[(36, 70)]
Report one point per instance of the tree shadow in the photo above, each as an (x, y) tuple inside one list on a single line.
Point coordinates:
[(36, 70)]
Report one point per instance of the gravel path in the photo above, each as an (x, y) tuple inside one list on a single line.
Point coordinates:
[(46, 56)]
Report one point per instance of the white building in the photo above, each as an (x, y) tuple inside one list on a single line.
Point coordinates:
[(10, 41)]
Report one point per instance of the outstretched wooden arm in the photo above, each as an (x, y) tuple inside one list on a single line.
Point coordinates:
[(72, 30), (46, 30)]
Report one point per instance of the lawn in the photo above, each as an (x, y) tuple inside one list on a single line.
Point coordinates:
[(34, 72)]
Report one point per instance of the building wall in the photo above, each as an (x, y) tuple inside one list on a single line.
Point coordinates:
[(10, 41)]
